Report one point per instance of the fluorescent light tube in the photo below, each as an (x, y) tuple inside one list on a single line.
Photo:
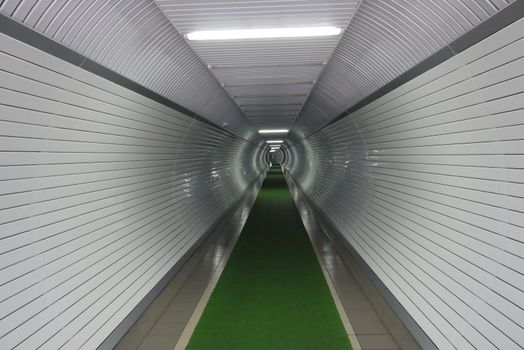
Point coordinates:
[(267, 33), (274, 141), (273, 131)]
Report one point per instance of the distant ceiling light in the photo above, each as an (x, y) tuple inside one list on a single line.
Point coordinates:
[(275, 141), (284, 95), (291, 82), (267, 33), (273, 150), (279, 65), (273, 131), (271, 104)]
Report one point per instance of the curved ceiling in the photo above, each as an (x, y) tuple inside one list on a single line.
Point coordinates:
[(269, 79), (299, 83), (134, 39), (383, 40)]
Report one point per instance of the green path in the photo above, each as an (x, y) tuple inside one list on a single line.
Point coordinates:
[(272, 293)]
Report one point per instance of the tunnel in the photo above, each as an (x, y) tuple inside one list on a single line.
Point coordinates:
[(262, 174)]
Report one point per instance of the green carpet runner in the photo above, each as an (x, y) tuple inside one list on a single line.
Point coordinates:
[(272, 293)]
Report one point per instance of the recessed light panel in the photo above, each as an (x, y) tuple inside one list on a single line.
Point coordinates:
[(266, 33), (273, 131)]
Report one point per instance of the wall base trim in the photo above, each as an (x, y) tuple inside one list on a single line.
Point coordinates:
[(120, 331), (344, 248)]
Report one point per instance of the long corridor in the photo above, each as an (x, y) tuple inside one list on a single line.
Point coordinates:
[(141, 207), (272, 293)]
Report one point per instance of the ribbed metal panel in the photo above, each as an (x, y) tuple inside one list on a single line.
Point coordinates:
[(383, 40), (135, 39), (266, 75), (255, 66), (427, 184), (102, 191)]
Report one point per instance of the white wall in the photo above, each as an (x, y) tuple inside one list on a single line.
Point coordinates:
[(102, 191), (426, 183), (136, 40)]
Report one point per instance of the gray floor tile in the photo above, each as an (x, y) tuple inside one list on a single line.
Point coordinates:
[(158, 342), (195, 284), (129, 343), (190, 297), (362, 315), (369, 327), (377, 342), (353, 297), (173, 329), (346, 288), (180, 307), (362, 305)]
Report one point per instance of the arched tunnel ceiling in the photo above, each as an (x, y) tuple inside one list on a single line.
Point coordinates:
[(269, 79), (134, 39), (284, 83), (383, 40), (300, 84)]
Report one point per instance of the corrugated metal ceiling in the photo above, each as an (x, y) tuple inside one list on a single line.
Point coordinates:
[(263, 74)]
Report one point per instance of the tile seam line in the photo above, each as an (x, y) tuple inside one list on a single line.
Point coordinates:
[(355, 344), (186, 334), (184, 338), (329, 230), (350, 331)]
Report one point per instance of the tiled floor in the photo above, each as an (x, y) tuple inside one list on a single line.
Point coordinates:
[(367, 325), (162, 330), (366, 330)]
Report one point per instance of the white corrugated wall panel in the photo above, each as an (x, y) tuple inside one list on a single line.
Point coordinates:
[(383, 40), (427, 184), (136, 40), (102, 191)]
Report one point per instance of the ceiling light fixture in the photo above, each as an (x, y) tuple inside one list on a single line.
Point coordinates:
[(269, 84), (270, 104), (281, 65), (287, 94), (273, 131), (274, 141), (267, 33)]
